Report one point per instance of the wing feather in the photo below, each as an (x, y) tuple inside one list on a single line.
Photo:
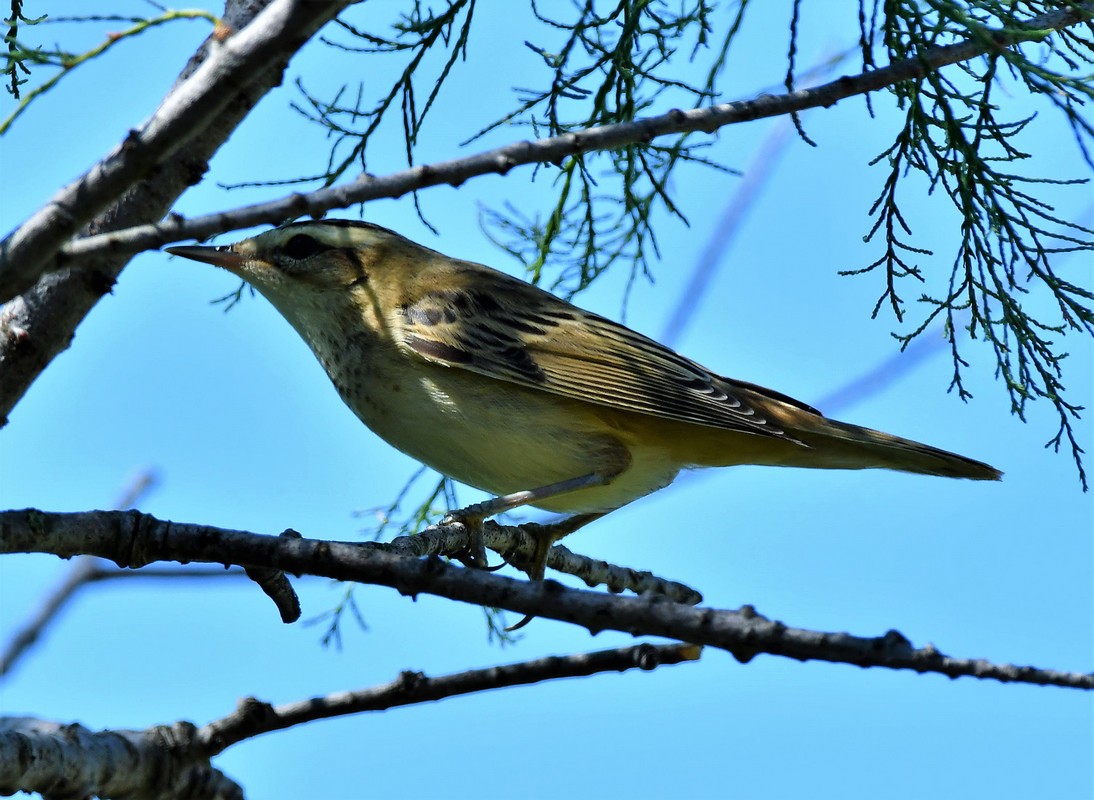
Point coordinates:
[(508, 330)]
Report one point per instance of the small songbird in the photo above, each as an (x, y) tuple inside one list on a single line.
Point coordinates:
[(505, 387)]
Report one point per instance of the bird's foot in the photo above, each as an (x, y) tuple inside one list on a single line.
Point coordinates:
[(472, 519), (545, 537)]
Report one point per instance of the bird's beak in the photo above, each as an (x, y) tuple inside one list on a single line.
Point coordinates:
[(217, 256)]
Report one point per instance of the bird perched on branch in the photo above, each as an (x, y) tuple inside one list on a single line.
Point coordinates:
[(505, 387)]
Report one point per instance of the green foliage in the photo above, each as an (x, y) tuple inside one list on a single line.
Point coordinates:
[(19, 55), (17, 58), (416, 35), (955, 136), (609, 68), (606, 68)]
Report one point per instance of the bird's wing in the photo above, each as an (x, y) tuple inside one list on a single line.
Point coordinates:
[(511, 331)]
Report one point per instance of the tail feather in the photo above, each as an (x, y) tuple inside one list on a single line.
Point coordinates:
[(830, 444), (840, 445)]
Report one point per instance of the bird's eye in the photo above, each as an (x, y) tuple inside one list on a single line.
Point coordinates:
[(302, 246)]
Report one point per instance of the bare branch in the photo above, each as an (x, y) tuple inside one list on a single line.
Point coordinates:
[(133, 539), (84, 570), (447, 540), (254, 718), (89, 569), (173, 760), (276, 586)]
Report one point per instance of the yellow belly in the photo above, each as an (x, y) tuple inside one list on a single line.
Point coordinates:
[(504, 438)]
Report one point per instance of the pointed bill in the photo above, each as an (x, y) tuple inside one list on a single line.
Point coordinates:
[(217, 256)]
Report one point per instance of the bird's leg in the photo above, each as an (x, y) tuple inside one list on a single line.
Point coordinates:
[(507, 502), (473, 515), (544, 535)]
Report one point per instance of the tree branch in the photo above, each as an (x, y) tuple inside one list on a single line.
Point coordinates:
[(69, 760), (173, 760), (553, 150), (253, 718), (39, 324), (449, 540), (83, 570), (133, 539), (191, 107), (88, 570), (516, 544)]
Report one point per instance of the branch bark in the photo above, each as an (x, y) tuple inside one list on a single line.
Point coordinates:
[(133, 539), (516, 545), (512, 542), (450, 540), (69, 760)]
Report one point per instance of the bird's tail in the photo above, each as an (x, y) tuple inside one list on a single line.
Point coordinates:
[(830, 444), (840, 445)]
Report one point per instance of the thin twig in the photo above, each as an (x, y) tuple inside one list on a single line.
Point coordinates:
[(725, 229)]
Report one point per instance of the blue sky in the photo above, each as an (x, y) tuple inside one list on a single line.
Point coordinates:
[(244, 430)]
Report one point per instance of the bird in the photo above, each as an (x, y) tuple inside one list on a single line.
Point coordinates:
[(505, 387)]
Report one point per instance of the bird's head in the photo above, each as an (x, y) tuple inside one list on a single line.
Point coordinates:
[(322, 269)]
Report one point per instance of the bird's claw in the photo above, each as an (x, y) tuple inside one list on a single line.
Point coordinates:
[(475, 554)]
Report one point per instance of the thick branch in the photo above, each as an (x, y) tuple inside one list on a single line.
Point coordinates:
[(134, 539), (450, 540), (39, 324), (555, 149), (69, 760), (275, 33)]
